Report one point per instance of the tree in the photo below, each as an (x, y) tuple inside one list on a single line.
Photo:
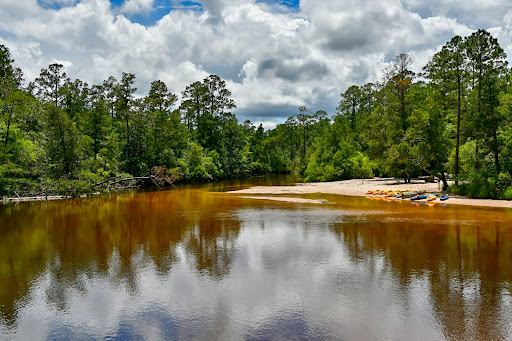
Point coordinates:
[(397, 82), (447, 72), (291, 124), (428, 133), (216, 102), (205, 110), (13, 107), (386, 127), (304, 120), (12, 99), (350, 103), (11, 77), (367, 98), (218, 97), (95, 123), (61, 141), (123, 107), (192, 106), (160, 99), (137, 156), (49, 84), (505, 110), (487, 62), (166, 131), (75, 99), (109, 88)]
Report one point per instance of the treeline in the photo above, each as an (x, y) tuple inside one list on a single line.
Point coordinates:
[(452, 121), (63, 136)]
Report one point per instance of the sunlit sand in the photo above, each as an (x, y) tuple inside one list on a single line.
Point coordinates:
[(358, 187)]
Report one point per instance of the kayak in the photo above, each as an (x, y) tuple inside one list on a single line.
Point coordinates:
[(444, 197), (420, 197), (408, 195), (431, 198)]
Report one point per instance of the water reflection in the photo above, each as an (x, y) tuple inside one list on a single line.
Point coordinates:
[(109, 237), (191, 264), (465, 266)]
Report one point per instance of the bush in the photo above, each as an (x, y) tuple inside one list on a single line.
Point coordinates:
[(340, 167), (359, 166), (199, 173), (72, 188), (21, 187), (15, 180), (484, 186), (507, 194)]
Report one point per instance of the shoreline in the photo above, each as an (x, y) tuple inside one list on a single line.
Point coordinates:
[(358, 187)]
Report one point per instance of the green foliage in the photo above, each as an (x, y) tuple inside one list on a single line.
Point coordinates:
[(485, 185), (476, 185), (71, 135), (467, 158), (16, 181), (340, 167), (66, 187), (212, 164), (507, 194), (199, 164), (61, 142)]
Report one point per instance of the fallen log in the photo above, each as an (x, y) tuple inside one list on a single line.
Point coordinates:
[(157, 181), (103, 182), (36, 198), (136, 178)]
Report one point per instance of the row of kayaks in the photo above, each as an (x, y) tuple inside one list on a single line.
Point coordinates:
[(412, 195)]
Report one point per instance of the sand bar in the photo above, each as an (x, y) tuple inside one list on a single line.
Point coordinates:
[(358, 187), (288, 199)]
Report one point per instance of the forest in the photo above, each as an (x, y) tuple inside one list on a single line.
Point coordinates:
[(451, 121)]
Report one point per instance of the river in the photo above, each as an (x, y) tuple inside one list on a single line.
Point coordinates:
[(195, 262)]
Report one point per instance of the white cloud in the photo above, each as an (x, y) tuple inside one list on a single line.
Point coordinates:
[(273, 60), (473, 13), (137, 6)]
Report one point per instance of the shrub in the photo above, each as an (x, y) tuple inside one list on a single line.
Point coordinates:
[(507, 193), (73, 188), (482, 186)]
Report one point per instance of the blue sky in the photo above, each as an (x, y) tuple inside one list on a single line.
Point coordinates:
[(275, 55), (162, 7)]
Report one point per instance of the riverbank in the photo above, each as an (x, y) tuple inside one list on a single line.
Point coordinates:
[(358, 187)]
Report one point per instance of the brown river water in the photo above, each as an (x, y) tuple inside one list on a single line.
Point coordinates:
[(198, 263)]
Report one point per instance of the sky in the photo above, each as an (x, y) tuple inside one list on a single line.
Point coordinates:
[(275, 55)]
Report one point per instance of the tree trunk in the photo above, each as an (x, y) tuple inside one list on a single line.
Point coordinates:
[(402, 104), (7, 134), (304, 142), (496, 152), (445, 183), (128, 135), (495, 147), (457, 144), (478, 115)]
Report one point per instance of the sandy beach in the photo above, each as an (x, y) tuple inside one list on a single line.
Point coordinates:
[(358, 187)]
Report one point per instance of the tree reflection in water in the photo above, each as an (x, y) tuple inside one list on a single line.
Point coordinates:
[(74, 241), (467, 266), (192, 264)]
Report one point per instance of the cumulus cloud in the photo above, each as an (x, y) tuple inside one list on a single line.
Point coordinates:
[(137, 6), (292, 70), (473, 13), (274, 60)]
